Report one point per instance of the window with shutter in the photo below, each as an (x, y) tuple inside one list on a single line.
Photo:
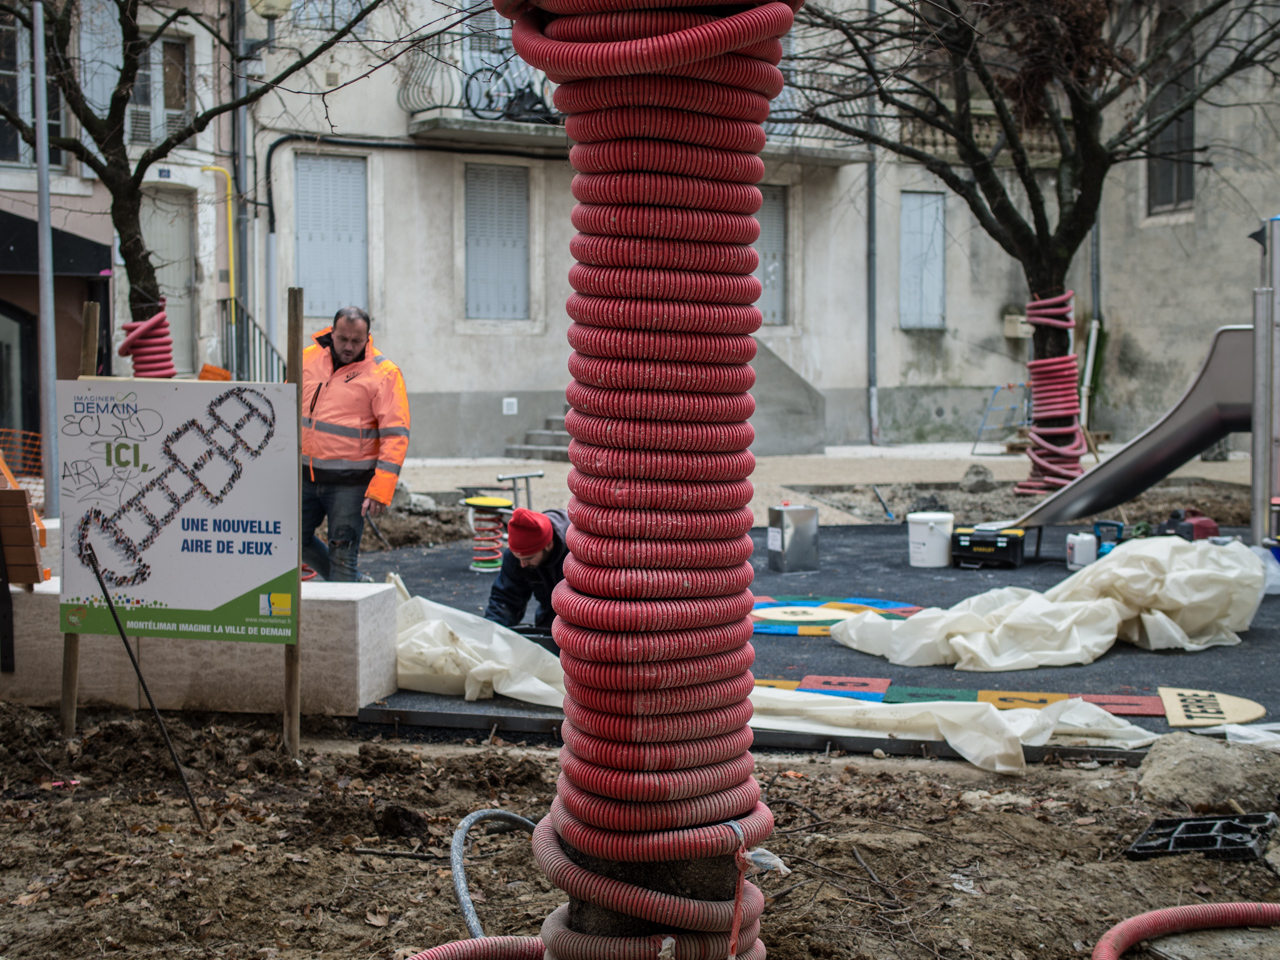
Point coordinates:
[(497, 229), (17, 92), (331, 218), (772, 248), (100, 54), (1171, 164), (922, 262)]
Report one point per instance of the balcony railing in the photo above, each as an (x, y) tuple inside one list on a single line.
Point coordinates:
[(492, 83), (479, 76), (1039, 141), (246, 350)]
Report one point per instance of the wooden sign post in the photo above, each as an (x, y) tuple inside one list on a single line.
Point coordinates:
[(71, 641), (292, 653)]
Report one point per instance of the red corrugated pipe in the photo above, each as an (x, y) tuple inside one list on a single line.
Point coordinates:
[(664, 108), (1201, 916), (150, 346), (1055, 452)]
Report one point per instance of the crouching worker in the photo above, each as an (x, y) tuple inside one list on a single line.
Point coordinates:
[(532, 565)]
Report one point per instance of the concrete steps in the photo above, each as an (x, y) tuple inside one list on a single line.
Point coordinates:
[(551, 442)]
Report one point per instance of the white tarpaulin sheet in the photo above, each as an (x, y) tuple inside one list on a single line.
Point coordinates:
[(443, 650), (1161, 593)]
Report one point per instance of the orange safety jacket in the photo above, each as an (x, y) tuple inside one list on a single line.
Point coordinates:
[(355, 420)]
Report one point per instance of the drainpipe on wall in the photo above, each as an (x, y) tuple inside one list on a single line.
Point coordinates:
[(240, 136)]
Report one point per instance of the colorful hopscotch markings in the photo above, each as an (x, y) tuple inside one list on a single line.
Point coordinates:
[(857, 688), (1204, 708), (1124, 706), (778, 684), (815, 616), (897, 694), (1018, 700)]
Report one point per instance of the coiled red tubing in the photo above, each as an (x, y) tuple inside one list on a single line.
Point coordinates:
[(665, 110), (1055, 452), (150, 346)]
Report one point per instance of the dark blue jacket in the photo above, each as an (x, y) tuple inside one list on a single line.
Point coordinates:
[(509, 596)]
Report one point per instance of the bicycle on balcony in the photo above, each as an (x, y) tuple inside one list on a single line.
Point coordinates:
[(510, 91)]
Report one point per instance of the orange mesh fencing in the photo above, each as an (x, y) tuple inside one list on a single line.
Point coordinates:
[(21, 452)]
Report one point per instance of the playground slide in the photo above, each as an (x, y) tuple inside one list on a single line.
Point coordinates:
[(1218, 402)]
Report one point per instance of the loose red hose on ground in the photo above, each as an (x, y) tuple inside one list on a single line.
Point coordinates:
[(150, 346), (1055, 452), (665, 109), (1161, 923)]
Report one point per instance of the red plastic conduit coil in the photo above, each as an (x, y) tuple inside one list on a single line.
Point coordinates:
[(665, 108), (150, 346), (1055, 452), (1201, 916)]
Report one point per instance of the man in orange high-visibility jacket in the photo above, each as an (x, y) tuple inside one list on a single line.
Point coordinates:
[(355, 433)]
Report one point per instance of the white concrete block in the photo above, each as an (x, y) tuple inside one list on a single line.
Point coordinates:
[(106, 676), (348, 652)]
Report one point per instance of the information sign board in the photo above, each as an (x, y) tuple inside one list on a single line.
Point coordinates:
[(188, 493)]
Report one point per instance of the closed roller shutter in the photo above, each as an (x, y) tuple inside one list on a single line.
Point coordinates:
[(921, 262), (331, 213), (497, 223)]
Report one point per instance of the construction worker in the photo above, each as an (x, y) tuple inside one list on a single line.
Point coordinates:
[(355, 433), (532, 565)]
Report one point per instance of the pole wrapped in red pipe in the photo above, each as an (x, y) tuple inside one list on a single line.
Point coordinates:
[(665, 108), (1055, 452), (150, 345)]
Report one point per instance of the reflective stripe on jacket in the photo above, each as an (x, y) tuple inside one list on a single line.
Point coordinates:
[(355, 420)]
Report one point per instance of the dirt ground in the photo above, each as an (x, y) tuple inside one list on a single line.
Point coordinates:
[(403, 529), (1227, 503), (891, 858)]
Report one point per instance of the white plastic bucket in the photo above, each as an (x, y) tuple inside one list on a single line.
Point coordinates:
[(929, 537)]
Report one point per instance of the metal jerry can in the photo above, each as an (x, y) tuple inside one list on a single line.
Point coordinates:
[(793, 538)]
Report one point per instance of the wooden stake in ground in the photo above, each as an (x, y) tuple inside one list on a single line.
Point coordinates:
[(71, 641), (292, 655)]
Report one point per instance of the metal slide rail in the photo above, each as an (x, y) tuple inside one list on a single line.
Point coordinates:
[(1218, 402), (246, 350)]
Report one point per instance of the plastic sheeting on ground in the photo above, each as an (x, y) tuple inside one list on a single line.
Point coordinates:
[(1264, 735), (1161, 593), (988, 738), (443, 650)]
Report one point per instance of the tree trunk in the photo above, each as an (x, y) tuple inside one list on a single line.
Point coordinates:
[(126, 217)]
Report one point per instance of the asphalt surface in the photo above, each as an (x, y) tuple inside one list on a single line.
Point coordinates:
[(871, 561)]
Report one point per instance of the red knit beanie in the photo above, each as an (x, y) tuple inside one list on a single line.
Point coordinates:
[(528, 532)]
